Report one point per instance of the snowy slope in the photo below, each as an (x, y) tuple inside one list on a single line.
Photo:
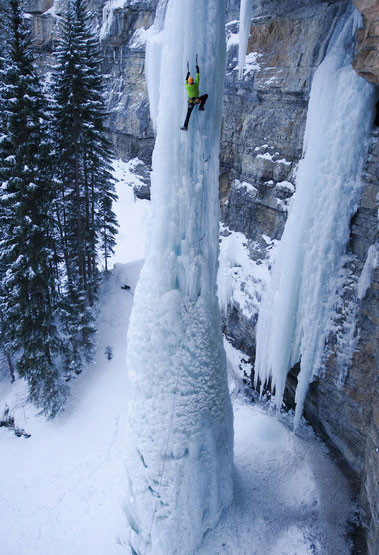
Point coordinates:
[(62, 489), (132, 213)]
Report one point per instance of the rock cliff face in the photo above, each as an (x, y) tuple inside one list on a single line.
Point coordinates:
[(263, 128), (366, 62), (262, 140), (122, 29)]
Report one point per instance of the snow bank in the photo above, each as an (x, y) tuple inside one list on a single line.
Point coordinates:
[(289, 497), (180, 438), (295, 315), (62, 489)]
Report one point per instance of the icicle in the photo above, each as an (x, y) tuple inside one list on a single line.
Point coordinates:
[(244, 33), (368, 270), (296, 311)]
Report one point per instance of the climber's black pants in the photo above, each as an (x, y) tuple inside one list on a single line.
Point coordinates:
[(191, 104)]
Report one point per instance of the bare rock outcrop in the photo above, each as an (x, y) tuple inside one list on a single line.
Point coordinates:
[(366, 63)]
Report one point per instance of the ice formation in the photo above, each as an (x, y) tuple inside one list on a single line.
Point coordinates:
[(180, 443), (153, 59), (108, 12), (296, 310), (244, 33), (368, 269)]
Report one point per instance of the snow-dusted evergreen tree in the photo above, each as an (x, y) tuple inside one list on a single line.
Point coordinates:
[(27, 257), (86, 189), (4, 9)]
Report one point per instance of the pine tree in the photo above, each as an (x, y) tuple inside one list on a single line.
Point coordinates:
[(28, 285), (86, 190), (4, 60)]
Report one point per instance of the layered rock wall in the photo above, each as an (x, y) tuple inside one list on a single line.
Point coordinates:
[(263, 132), (264, 123)]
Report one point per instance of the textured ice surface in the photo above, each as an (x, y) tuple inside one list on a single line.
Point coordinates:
[(153, 60), (180, 439), (296, 311)]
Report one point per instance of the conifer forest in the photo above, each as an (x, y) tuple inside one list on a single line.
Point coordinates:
[(57, 224)]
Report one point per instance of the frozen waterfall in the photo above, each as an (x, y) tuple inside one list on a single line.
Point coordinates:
[(296, 310), (180, 443)]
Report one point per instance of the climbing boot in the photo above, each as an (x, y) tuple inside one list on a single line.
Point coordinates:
[(201, 109), (184, 128)]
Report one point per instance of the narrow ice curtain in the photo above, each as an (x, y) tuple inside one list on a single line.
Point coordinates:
[(180, 440), (296, 312)]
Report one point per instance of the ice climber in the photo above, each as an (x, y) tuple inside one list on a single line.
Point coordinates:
[(192, 87)]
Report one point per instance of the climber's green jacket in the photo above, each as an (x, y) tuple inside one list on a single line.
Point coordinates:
[(193, 89)]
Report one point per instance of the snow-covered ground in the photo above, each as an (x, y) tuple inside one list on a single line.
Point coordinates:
[(62, 489), (131, 212)]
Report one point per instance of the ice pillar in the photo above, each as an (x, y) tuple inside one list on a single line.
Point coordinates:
[(180, 440)]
